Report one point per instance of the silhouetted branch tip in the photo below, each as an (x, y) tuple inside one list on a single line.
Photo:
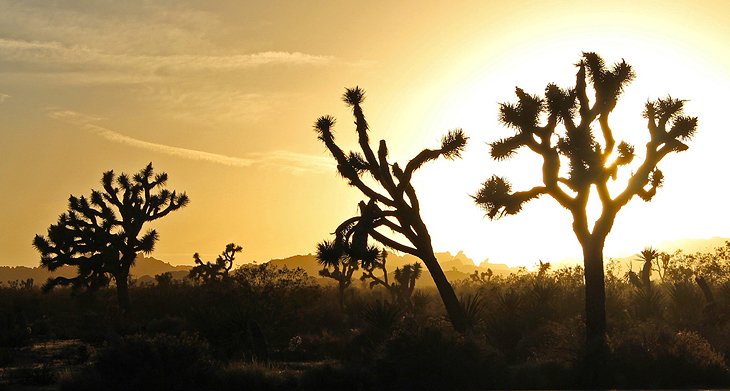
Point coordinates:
[(505, 148), (323, 127), (496, 199), (684, 128), (329, 253), (625, 153), (453, 144), (524, 115), (357, 162), (354, 96)]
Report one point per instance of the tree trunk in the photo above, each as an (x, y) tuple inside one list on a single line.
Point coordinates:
[(123, 292), (341, 291), (595, 293), (451, 302)]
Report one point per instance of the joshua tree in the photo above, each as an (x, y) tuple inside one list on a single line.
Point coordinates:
[(483, 277), (590, 164), (405, 281), (405, 277), (218, 271), (339, 261), (392, 203), (101, 235)]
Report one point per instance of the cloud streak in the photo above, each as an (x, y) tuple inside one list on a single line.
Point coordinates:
[(293, 162), (54, 56)]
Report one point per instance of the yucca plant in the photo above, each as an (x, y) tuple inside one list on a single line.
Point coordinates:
[(381, 316), (474, 309)]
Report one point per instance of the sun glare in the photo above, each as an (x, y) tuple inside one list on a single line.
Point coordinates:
[(662, 68)]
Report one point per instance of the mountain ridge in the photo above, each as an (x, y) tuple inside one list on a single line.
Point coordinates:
[(456, 267)]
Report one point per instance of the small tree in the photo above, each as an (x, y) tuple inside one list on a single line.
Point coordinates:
[(209, 272), (590, 164), (101, 235), (392, 202), (339, 261), (405, 278), (642, 281)]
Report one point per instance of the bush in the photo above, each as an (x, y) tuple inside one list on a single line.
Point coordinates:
[(656, 357), (139, 362), (426, 358)]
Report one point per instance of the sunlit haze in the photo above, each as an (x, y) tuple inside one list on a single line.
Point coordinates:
[(223, 95)]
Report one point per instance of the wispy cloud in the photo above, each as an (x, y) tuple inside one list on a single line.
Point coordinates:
[(52, 57), (291, 161), (87, 122), (4, 97)]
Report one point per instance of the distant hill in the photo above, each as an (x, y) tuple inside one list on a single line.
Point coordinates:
[(456, 267), (142, 267), (688, 246), (693, 245)]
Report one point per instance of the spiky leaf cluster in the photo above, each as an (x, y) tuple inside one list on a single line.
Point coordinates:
[(608, 83), (497, 199)]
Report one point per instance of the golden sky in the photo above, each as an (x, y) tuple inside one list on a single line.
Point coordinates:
[(222, 96)]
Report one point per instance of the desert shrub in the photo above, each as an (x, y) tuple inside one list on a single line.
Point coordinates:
[(428, 358), (684, 304), (653, 356), (148, 363), (253, 376), (336, 377), (507, 320), (646, 303), (382, 316)]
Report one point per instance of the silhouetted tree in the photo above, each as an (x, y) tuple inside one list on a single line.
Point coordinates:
[(208, 272), (164, 279), (393, 203), (647, 299), (405, 281), (642, 280), (339, 261), (481, 277), (405, 277), (101, 235), (590, 164)]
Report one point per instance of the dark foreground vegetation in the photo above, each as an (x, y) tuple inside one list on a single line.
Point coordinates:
[(268, 328)]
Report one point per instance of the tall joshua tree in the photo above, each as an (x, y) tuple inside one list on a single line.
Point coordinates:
[(101, 235), (392, 202), (590, 164)]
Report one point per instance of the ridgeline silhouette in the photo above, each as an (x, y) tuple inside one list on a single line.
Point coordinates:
[(590, 163), (396, 206), (101, 235)]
